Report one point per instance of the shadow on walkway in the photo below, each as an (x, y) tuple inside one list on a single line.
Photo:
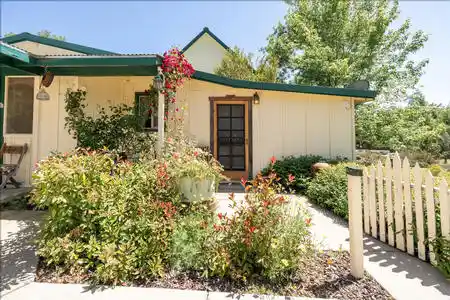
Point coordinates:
[(19, 229), (398, 261)]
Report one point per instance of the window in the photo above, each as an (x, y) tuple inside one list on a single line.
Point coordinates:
[(19, 105), (149, 113)]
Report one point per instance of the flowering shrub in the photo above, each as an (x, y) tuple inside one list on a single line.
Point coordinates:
[(106, 218), (176, 69), (260, 237), (116, 222)]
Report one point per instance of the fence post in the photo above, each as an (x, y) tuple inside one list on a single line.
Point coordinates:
[(355, 221)]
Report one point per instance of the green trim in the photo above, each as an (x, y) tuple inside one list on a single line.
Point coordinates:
[(105, 71), (101, 61), (281, 87), (94, 65), (25, 36), (2, 104), (10, 51), (204, 31)]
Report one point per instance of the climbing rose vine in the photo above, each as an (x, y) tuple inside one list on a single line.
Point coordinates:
[(176, 69)]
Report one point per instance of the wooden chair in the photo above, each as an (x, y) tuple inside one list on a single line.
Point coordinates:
[(10, 170)]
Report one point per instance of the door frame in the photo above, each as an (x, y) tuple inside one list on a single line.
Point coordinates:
[(232, 99)]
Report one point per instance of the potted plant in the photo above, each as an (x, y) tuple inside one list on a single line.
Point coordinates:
[(198, 180)]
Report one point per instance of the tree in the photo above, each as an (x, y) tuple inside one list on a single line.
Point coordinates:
[(48, 34), (417, 98), (415, 128), (42, 33), (239, 65), (336, 42)]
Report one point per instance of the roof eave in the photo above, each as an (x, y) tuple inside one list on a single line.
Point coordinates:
[(281, 87), (198, 36), (25, 36)]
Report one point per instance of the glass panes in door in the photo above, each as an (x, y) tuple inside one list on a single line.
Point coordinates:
[(231, 136)]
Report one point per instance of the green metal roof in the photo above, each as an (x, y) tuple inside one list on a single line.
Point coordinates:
[(25, 36), (110, 64), (8, 52), (282, 87), (205, 31)]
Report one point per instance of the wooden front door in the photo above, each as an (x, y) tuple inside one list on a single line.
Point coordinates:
[(231, 135)]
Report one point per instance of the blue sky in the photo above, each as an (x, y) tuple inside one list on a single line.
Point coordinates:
[(152, 27)]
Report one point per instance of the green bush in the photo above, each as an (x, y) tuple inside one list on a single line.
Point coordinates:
[(190, 240), (115, 221), (441, 248), (119, 128), (111, 219), (297, 166), (260, 237), (329, 189)]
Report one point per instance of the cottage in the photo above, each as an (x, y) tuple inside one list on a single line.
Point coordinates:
[(263, 119)]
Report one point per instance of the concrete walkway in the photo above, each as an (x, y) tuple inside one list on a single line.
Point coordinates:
[(404, 276), (17, 255), (49, 291)]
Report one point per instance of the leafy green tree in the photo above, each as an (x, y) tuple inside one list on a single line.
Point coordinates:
[(48, 34), (42, 33), (415, 128), (417, 98), (239, 65), (336, 42)]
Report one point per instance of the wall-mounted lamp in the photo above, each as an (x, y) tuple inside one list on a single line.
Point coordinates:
[(347, 105), (256, 98)]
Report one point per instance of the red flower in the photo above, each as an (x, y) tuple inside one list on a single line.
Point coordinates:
[(252, 229), (195, 153), (176, 155), (220, 216), (273, 160), (216, 228), (308, 221), (291, 178), (266, 203), (169, 140), (243, 181)]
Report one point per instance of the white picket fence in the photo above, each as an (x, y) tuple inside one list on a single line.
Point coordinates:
[(400, 205)]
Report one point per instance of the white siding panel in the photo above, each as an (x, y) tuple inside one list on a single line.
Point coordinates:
[(318, 125), (205, 54)]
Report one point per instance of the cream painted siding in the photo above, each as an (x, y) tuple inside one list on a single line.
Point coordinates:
[(283, 123), (49, 133), (106, 91), (41, 49), (205, 54)]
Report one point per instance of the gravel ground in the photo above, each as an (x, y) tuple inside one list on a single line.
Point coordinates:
[(325, 276)]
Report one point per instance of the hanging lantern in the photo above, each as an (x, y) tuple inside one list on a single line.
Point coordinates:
[(46, 81), (158, 81)]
